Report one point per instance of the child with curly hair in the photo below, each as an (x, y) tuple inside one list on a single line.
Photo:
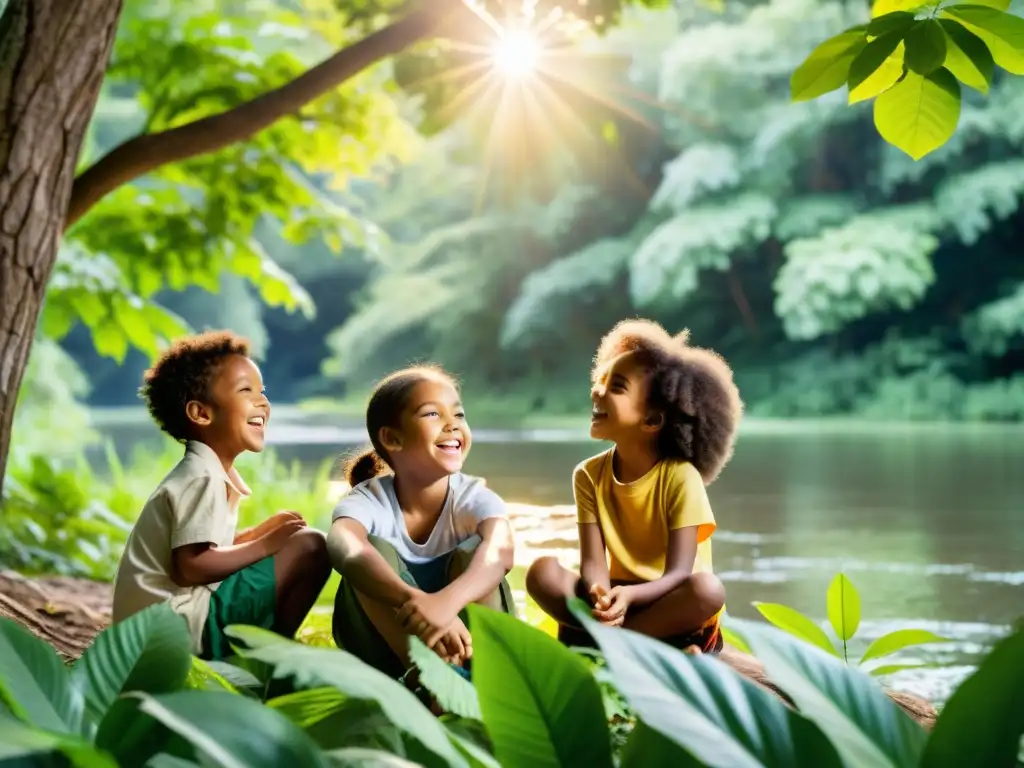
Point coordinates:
[(645, 524), (416, 540), (206, 392)]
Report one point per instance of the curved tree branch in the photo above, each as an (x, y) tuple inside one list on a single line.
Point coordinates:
[(147, 152)]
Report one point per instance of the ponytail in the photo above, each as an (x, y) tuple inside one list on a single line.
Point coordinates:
[(364, 466)]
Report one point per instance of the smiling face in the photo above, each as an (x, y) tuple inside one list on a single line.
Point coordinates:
[(236, 416), (433, 438), (619, 400)]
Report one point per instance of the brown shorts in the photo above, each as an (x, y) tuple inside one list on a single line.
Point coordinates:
[(708, 637)]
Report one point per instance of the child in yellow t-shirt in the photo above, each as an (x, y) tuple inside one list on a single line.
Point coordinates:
[(645, 524)]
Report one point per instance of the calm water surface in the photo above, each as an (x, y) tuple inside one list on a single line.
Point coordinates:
[(925, 521)]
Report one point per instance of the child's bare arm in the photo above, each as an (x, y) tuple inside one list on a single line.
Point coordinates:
[(272, 522), (493, 559), (355, 558), (197, 564), (682, 552), (593, 561)]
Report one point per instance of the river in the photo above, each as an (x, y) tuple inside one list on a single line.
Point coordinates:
[(925, 520)]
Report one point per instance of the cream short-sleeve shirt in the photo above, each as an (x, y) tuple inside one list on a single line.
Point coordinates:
[(196, 503)]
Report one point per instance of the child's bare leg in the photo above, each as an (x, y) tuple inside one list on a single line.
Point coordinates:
[(550, 585), (385, 620), (685, 609), (459, 563), (301, 569)]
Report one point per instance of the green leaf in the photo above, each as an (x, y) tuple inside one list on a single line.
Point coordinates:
[(34, 683), (865, 725), (336, 668), (983, 721), (236, 677), (540, 702), (892, 642), (1003, 33), (453, 692), (889, 669), (925, 47), (19, 740), (733, 639), (828, 66), (1001, 5), (305, 708), (920, 113), (967, 56), (231, 731), (705, 708), (359, 757), (843, 607), (885, 7), (149, 652), (646, 747), (876, 68), (798, 625), (110, 340), (58, 319), (897, 21)]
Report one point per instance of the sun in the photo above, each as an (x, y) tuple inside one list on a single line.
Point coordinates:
[(516, 54)]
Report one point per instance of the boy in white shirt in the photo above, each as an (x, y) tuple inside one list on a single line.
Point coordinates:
[(206, 392)]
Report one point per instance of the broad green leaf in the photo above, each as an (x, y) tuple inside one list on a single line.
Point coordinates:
[(925, 47), (353, 677), (920, 113), (646, 747), (305, 708), (843, 607), (798, 625), (967, 56), (110, 340), (359, 757), (148, 652), (885, 7), (704, 707), (453, 692), (983, 721), (57, 319), (865, 725), (828, 66), (1001, 5), (476, 755), (231, 731), (897, 21), (34, 683), (890, 669), (892, 642), (1003, 33), (733, 639), (19, 740), (876, 68), (540, 702), (236, 677)]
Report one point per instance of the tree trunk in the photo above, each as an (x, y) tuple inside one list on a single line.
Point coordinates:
[(53, 55)]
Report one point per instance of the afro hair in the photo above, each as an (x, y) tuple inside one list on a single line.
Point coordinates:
[(183, 373), (692, 387)]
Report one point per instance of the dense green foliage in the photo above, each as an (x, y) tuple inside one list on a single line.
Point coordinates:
[(132, 700)]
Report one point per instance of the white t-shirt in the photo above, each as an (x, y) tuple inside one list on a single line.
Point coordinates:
[(196, 503), (374, 504)]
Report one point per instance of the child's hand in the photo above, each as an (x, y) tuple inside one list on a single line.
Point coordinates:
[(275, 539), (272, 522), (428, 616), (610, 608), (456, 646)]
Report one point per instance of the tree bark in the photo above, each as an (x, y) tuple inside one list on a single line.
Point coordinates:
[(53, 55), (147, 152)]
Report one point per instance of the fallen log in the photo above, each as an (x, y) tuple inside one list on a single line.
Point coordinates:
[(68, 613)]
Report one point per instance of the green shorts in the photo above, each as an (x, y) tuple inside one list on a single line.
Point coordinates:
[(245, 597), (352, 628)]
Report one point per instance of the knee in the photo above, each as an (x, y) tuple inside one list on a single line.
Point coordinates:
[(308, 547), (707, 590), (541, 574)]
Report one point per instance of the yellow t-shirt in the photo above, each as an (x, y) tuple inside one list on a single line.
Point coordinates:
[(635, 518)]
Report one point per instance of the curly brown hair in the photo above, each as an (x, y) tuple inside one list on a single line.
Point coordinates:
[(691, 387), (183, 373)]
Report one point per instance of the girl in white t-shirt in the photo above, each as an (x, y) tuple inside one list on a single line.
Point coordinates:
[(415, 539)]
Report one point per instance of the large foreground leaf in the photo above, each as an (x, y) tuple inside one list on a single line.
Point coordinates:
[(967, 56), (983, 721), (705, 708), (20, 741), (34, 683), (920, 113), (828, 66), (148, 652), (865, 725), (540, 702), (314, 667), (453, 692), (1002, 32)]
